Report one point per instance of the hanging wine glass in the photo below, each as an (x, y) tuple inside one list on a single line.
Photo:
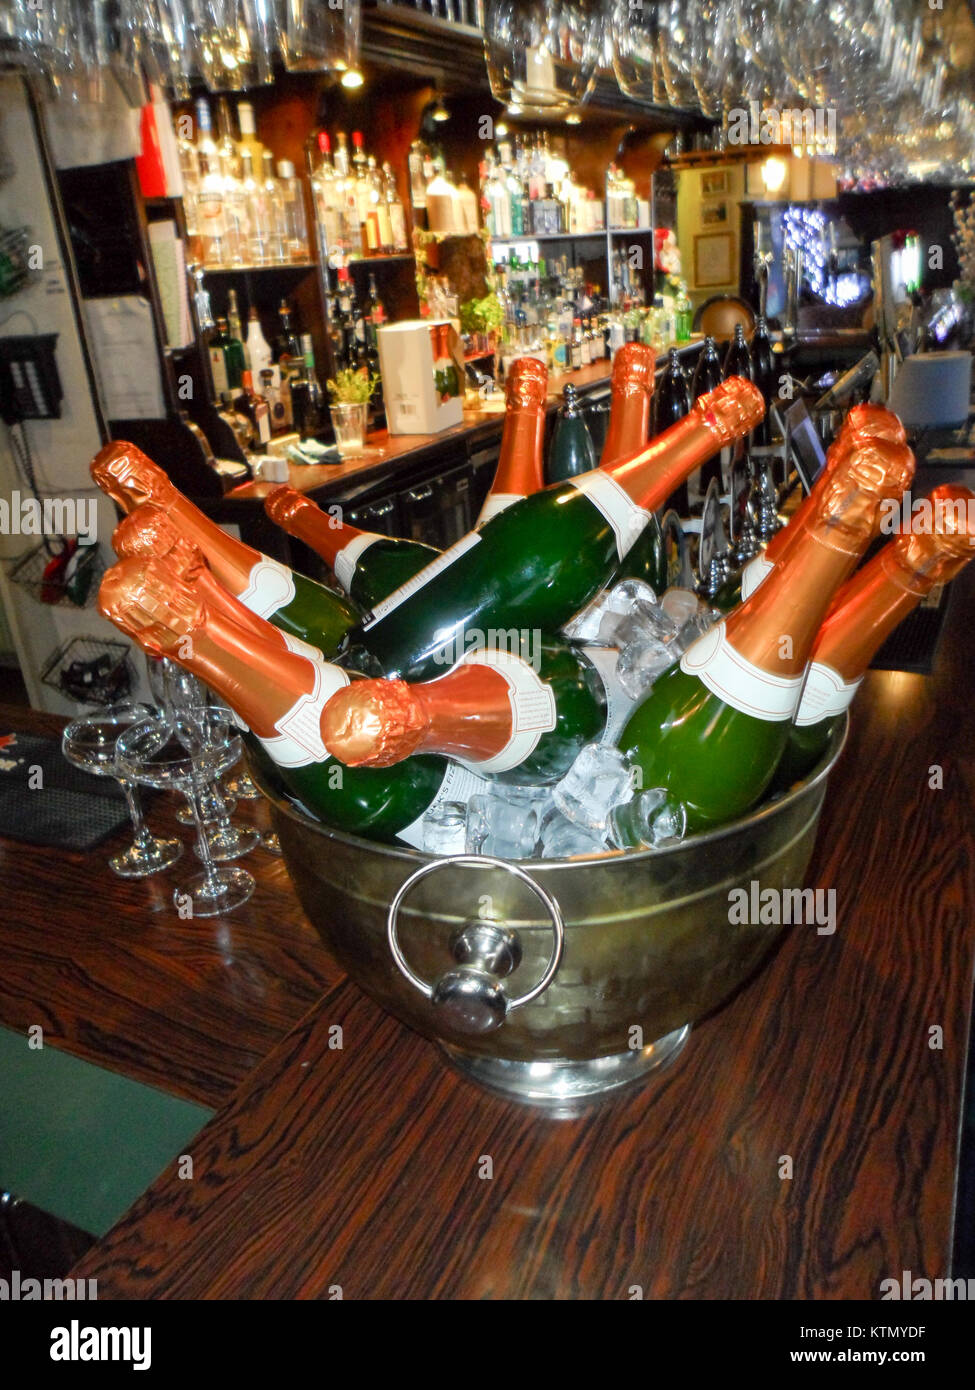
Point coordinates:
[(316, 36), (636, 60), (541, 55)]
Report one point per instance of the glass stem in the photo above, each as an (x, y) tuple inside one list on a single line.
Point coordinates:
[(195, 794), (142, 836)]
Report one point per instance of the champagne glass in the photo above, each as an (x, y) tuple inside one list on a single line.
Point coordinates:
[(90, 743), (184, 755)]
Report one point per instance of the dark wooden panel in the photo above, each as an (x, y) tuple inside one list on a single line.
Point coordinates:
[(359, 1167)]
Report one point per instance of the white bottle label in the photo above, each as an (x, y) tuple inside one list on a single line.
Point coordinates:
[(270, 586), (421, 580), (348, 557), (533, 711), (755, 572), (619, 509), (459, 784), (496, 502), (299, 740), (748, 688), (618, 704), (824, 694), (301, 648)]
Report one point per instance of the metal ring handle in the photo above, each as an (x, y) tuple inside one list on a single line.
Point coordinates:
[(478, 861)]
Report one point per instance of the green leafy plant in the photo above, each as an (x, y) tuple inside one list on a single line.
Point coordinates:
[(352, 387), (481, 315)]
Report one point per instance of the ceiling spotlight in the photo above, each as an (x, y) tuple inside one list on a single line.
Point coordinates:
[(573, 119), (500, 130), (773, 174), (352, 77), (440, 112)]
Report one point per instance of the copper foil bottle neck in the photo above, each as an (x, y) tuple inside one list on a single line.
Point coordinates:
[(129, 477), (373, 723), (526, 387)]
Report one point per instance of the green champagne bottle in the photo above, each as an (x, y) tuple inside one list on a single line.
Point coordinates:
[(367, 565), (290, 601), (571, 451), (542, 559), (517, 716), (714, 726), (281, 695), (631, 398), (864, 613)]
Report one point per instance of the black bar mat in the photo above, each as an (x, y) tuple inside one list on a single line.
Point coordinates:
[(914, 644), (65, 807)]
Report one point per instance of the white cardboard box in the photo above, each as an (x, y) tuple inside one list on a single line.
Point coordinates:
[(413, 405)]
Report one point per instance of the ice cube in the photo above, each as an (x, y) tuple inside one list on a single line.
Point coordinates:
[(560, 838), (599, 779), (651, 820), (444, 829), (642, 659), (503, 824), (680, 605), (621, 599)]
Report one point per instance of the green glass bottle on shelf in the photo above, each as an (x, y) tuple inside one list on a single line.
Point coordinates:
[(521, 716), (281, 695), (367, 565), (294, 603), (538, 562), (715, 724), (631, 395), (571, 451), (864, 613)]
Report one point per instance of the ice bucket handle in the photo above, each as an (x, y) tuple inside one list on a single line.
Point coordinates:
[(472, 996)]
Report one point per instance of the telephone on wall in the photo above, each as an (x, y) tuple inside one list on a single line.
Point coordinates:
[(30, 388)]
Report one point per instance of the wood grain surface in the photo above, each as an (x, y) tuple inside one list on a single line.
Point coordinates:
[(114, 976), (361, 1167)]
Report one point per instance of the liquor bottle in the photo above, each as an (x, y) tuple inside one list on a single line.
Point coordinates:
[(273, 194), (295, 225), (396, 211), (495, 712), (571, 451), (631, 394), (242, 428), (738, 358), (715, 724), (671, 402), (862, 422), (216, 351), (864, 613), (766, 377), (256, 221), (368, 566), (315, 407), (328, 203), (233, 348), (520, 461), (258, 350), (252, 404), (280, 695), (291, 601), (249, 142), (540, 560), (289, 344)]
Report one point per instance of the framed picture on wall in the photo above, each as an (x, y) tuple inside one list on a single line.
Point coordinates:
[(714, 259), (714, 214), (714, 182)]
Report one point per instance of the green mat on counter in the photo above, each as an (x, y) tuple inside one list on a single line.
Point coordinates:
[(81, 1142)]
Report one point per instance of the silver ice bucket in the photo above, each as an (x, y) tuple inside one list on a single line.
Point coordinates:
[(555, 981)]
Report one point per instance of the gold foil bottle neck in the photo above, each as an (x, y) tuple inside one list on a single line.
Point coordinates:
[(732, 409), (633, 368), (129, 477), (941, 539), (527, 384), (147, 599), (283, 503), (373, 723), (876, 420), (149, 532)]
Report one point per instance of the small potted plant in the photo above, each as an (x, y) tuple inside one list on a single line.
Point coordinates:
[(350, 392)]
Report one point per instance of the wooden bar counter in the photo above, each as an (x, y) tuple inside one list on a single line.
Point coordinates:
[(362, 1168)]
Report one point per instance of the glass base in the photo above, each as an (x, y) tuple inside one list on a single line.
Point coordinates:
[(564, 1088), (242, 788), (232, 843), (185, 816), (221, 893), (270, 842), (139, 861)]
